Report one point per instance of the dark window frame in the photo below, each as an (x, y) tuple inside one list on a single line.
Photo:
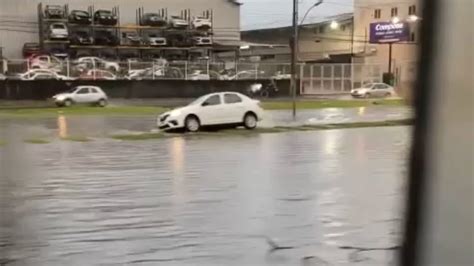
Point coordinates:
[(378, 13), (394, 11)]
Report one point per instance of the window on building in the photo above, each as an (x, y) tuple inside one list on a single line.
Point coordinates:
[(377, 13), (412, 37), (412, 10), (394, 12)]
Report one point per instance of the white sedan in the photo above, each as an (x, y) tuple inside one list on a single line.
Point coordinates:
[(81, 95), (370, 90), (224, 108)]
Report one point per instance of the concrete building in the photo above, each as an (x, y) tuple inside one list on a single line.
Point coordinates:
[(326, 41), (19, 18), (404, 54)]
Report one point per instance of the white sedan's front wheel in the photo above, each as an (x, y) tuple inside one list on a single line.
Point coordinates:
[(192, 123), (250, 121)]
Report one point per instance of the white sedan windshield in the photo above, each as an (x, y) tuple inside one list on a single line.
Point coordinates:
[(198, 100)]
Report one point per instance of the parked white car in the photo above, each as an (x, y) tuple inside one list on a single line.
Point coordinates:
[(224, 108), (58, 31), (46, 62), (91, 62), (81, 95), (177, 22), (199, 41), (370, 90), (2, 77), (198, 75), (37, 74), (202, 23)]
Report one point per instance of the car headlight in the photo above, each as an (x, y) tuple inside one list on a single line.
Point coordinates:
[(175, 113), (59, 98)]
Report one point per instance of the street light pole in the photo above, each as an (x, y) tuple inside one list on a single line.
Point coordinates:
[(294, 46)]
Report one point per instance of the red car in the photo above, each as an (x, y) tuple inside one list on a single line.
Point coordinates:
[(30, 48)]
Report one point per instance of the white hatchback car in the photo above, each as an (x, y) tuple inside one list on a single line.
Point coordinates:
[(224, 108), (81, 95), (371, 90)]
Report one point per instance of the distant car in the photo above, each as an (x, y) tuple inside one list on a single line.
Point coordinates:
[(153, 19), (81, 95), (81, 37), (46, 62), (202, 23), (105, 37), (105, 17), (371, 90), (279, 76), (30, 48), (38, 74), (91, 62), (58, 31), (80, 17), (202, 41), (54, 12), (155, 40), (59, 53), (224, 108), (198, 75), (147, 73), (98, 75), (246, 74), (131, 38), (177, 22)]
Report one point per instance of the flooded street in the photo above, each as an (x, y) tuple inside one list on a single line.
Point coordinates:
[(204, 200)]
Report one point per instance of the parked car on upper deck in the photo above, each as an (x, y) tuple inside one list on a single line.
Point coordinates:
[(131, 38), (38, 74), (30, 48), (202, 23), (215, 109), (58, 31), (81, 95), (371, 90), (81, 37), (153, 19), (54, 12), (105, 37), (177, 22), (155, 40), (80, 17), (105, 17)]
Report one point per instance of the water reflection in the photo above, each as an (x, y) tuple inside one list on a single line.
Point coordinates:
[(62, 126)]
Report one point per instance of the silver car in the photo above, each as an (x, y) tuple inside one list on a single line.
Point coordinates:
[(81, 95), (370, 90)]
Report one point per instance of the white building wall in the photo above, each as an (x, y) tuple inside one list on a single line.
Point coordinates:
[(18, 18)]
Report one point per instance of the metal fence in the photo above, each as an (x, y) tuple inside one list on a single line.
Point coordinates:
[(336, 78), (138, 70)]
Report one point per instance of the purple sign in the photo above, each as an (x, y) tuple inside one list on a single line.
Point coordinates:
[(387, 32)]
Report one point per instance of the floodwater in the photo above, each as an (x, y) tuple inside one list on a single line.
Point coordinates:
[(203, 200)]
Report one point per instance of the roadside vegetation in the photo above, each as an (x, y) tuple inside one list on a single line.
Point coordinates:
[(28, 112)]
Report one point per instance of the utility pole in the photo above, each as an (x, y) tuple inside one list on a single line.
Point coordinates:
[(294, 55)]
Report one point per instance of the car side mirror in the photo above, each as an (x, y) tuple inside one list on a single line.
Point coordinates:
[(205, 104)]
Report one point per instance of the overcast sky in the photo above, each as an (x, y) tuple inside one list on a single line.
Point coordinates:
[(257, 14)]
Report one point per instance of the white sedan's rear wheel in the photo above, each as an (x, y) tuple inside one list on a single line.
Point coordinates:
[(192, 123), (250, 121)]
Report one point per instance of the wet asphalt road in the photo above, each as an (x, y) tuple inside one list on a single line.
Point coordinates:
[(202, 201)]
